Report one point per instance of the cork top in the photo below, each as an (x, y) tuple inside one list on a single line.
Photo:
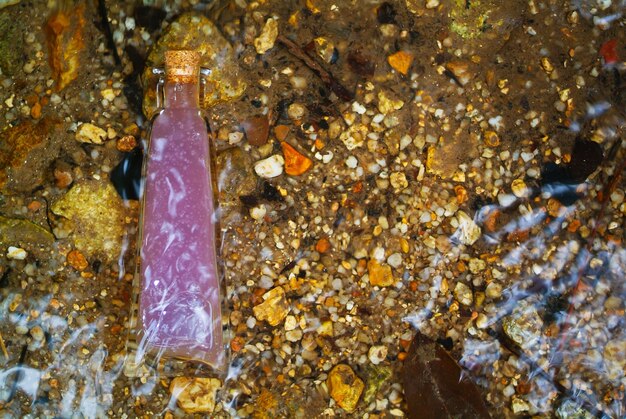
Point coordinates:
[(182, 66)]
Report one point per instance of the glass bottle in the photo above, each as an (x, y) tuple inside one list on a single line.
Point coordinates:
[(179, 313)]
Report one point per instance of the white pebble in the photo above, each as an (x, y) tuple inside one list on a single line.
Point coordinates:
[(395, 260), (16, 253), (352, 162), (258, 212), (270, 167), (377, 354)]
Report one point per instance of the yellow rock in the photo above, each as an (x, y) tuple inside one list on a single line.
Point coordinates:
[(345, 387), (196, 32), (401, 61), (195, 395), (97, 214), (380, 275), (274, 308), (266, 40)]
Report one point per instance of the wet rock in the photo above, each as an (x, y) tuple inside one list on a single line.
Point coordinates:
[(197, 32), (97, 214), (257, 130), (26, 151), (296, 164), (379, 275), (270, 167), (77, 260), (195, 395), (266, 40), (326, 50), (401, 61), (274, 307), (460, 70), (16, 253), (615, 359), (523, 326), (375, 377), (5, 3), (90, 133), (65, 38), (387, 103), (345, 387), (377, 354), (23, 233), (11, 44), (468, 231), (463, 294)]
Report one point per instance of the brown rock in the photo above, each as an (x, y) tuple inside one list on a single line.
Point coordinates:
[(257, 130), (77, 260), (296, 163), (401, 61)]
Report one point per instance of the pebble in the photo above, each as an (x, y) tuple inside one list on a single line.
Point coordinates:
[(379, 275), (90, 133), (431, 4), (296, 111), (345, 387), (493, 290), (395, 260), (266, 40), (274, 308), (258, 213), (235, 137), (506, 200), (387, 103), (270, 167), (398, 180), (377, 354), (463, 294), (16, 253), (352, 162), (195, 395), (460, 69), (468, 231), (519, 188), (37, 333)]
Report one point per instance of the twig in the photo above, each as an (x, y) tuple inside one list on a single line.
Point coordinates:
[(329, 80)]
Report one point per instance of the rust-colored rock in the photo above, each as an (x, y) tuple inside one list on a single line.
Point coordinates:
[(65, 38), (322, 245), (295, 163), (77, 260)]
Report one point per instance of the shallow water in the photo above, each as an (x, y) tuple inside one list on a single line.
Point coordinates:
[(453, 169)]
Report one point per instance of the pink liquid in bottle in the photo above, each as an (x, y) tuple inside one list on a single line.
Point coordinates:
[(179, 304)]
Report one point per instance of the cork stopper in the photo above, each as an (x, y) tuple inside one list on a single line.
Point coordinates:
[(182, 66)]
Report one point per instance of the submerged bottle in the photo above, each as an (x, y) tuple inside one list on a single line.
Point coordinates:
[(179, 312)]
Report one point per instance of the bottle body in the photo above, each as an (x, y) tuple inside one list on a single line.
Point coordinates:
[(179, 313)]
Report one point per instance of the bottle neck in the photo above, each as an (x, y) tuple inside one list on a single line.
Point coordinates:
[(181, 95)]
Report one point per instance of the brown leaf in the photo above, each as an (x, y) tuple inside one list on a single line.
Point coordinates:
[(433, 387)]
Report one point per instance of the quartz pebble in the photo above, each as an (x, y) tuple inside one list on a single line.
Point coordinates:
[(468, 231), (90, 133), (16, 253), (345, 387), (377, 354), (463, 294), (379, 275), (270, 167), (519, 188)]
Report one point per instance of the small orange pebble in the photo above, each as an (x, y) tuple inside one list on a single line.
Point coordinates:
[(237, 344), (461, 194), (461, 266), (77, 260), (295, 163), (518, 236), (554, 207), (34, 206), (319, 144), (126, 143), (401, 61), (573, 226), (402, 356), (322, 245), (357, 187), (281, 131), (35, 111), (116, 329), (413, 286)]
